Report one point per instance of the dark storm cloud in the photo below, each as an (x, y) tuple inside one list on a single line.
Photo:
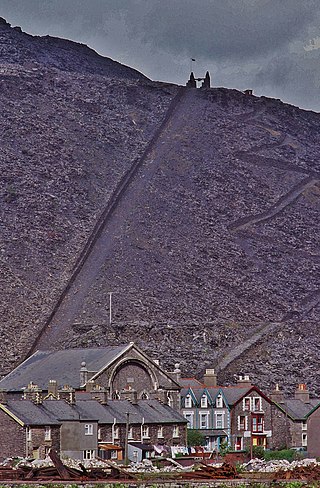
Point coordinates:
[(244, 43)]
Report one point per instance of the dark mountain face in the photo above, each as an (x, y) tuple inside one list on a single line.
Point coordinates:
[(20, 48), (210, 244)]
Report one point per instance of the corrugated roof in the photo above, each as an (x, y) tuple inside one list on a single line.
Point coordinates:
[(62, 366), (53, 412)]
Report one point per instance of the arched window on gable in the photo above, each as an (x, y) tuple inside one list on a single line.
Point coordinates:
[(204, 401), (188, 401)]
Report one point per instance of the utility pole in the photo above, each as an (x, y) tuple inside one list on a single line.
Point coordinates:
[(126, 456), (110, 293)]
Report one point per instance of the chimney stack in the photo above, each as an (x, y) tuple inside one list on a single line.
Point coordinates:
[(90, 386), (100, 394), (210, 378), (302, 393), (130, 394), (33, 393), (68, 394), (277, 395), (244, 381), (53, 388)]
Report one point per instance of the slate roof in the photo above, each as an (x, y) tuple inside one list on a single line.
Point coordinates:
[(232, 393), (53, 412), (62, 366), (190, 383), (297, 409)]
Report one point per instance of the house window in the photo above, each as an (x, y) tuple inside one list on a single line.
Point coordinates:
[(116, 432), (219, 421), (160, 432), (175, 431), (204, 401), (304, 425), (145, 431), (257, 423), (189, 417), (238, 444), (88, 429), (114, 455), (144, 396), (256, 404), (116, 395), (47, 434), (247, 404), (169, 400), (204, 420), (28, 434), (188, 401), (242, 422), (219, 402), (130, 433), (99, 434), (88, 454), (304, 440)]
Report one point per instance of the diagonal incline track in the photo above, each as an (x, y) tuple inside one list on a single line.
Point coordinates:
[(68, 303)]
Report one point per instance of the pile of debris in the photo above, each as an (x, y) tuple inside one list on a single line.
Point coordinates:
[(305, 473), (55, 469), (203, 471), (277, 465)]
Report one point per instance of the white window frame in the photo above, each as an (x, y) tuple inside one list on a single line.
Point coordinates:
[(188, 401), (189, 416), (219, 415), (253, 404), (175, 432), (304, 439), (160, 433), (28, 434), (202, 416), (115, 432), (145, 432), (88, 454), (114, 455), (88, 429), (246, 408), (130, 433), (219, 401), (47, 433), (204, 401)]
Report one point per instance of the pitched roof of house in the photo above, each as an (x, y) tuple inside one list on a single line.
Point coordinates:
[(190, 383), (53, 412), (297, 409), (232, 394), (62, 366)]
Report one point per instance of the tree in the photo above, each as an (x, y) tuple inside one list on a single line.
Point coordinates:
[(195, 438)]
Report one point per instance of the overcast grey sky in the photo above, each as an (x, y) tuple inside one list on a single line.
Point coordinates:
[(272, 46)]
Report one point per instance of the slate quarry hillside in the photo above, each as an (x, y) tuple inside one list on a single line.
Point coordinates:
[(212, 248)]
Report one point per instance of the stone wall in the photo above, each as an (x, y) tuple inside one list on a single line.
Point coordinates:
[(38, 446), (13, 441)]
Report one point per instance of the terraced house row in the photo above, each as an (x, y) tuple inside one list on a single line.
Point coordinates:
[(118, 403)]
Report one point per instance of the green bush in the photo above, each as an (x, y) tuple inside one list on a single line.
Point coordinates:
[(288, 454)]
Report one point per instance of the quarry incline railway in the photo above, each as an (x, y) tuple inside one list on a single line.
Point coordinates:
[(47, 336)]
